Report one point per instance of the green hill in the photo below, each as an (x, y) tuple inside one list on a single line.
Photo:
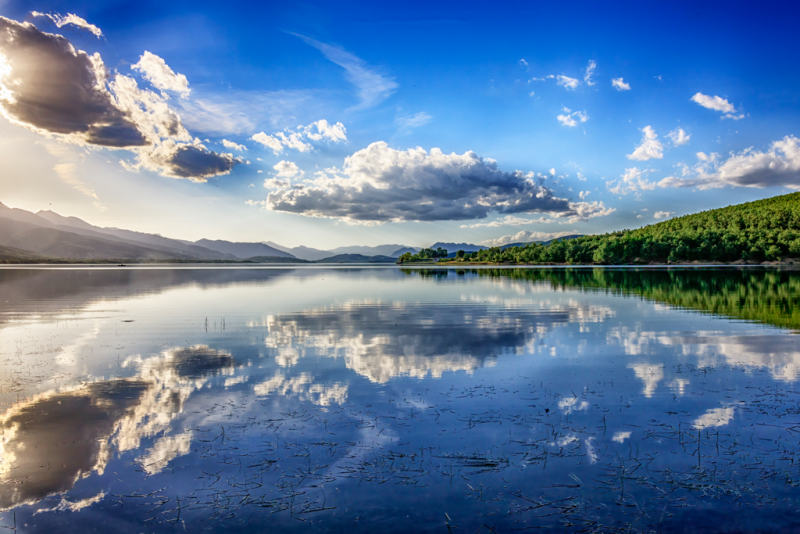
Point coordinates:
[(766, 229)]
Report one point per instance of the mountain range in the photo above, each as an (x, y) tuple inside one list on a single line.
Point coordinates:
[(46, 235)]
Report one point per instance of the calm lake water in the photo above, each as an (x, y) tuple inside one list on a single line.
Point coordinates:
[(396, 400)]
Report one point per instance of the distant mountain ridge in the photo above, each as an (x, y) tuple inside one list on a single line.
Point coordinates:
[(242, 250)]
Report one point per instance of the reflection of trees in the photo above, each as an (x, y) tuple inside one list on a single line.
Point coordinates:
[(766, 296), (381, 341), (51, 441)]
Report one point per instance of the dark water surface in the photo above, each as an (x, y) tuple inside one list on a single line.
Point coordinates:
[(397, 400)]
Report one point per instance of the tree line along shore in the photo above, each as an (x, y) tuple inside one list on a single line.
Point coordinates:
[(765, 230)]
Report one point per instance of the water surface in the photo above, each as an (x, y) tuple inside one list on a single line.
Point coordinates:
[(396, 400)]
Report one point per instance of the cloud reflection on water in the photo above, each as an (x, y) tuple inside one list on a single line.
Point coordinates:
[(381, 341), (58, 437)]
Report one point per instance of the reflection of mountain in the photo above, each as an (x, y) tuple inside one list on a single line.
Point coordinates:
[(766, 296), (381, 341), (48, 443), (55, 290)]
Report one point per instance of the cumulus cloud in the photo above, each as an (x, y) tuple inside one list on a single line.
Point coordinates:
[(631, 182), (663, 214), (567, 82), (230, 145), (320, 130), (620, 85), (589, 71), (679, 137), (373, 88), (287, 169), (651, 147), (72, 20), (571, 118), (156, 71), (49, 87), (270, 183), (380, 184), (526, 237), (777, 167)]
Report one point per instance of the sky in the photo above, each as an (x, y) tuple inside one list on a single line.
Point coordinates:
[(365, 123)]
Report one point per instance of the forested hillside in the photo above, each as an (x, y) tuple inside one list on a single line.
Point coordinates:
[(766, 229)]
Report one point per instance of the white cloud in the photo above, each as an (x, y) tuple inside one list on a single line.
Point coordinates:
[(589, 71), (373, 88), (335, 133), (679, 137), (777, 167), (632, 181), (526, 237), (532, 93), (380, 184), (733, 116), (230, 145), (582, 211), (73, 20), (268, 141), (407, 122), (716, 103), (524, 63), (320, 130), (567, 82), (508, 220), (663, 214), (156, 71), (584, 194), (571, 118), (286, 169), (274, 183), (620, 85), (651, 147)]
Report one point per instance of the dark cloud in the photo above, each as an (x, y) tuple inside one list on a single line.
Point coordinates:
[(182, 160), (381, 184), (48, 85)]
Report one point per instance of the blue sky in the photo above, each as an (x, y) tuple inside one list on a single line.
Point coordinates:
[(454, 122)]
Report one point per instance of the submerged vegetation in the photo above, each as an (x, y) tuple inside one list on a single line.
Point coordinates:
[(764, 230)]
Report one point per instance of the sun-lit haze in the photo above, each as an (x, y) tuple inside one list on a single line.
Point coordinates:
[(327, 125)]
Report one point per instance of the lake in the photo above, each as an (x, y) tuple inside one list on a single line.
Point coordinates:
[(379, 399)]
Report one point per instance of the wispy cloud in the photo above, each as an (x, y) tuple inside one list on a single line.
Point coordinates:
[(373, 88), (72, 20)]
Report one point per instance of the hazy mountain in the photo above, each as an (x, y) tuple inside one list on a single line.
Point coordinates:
[(301, 252), (380, 250), (15, 255), (58, 243), (357, 258), (50, 234), (242, 250), (74, 224), (399, 252), (455, 247)]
